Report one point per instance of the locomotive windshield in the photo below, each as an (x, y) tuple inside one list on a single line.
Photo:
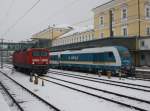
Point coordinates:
[(39, 53), (124, 54)]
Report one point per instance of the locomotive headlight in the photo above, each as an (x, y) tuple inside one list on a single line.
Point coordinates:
[(33, 63)]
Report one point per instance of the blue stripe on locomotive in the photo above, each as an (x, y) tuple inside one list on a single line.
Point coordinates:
[(87, 57), (92, 67), (94, 57)]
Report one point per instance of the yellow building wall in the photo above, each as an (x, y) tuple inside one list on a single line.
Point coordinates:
[(132, 21), (50, 33)]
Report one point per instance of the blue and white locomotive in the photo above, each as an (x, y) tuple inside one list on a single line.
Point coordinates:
[(101, 59)]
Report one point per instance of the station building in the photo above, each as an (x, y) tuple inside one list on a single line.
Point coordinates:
[(126, 18), (76, 35), (44, 38), (122, 18)]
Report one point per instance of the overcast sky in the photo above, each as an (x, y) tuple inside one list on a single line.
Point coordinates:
[(46, 12)]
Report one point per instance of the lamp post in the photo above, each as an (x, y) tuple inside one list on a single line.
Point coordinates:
[(49, 36), (51, 33)]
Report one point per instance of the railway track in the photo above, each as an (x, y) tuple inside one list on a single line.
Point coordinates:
[(21, 101), (105, 81), (143, 74), (5, 90), (110, 95), (140, 75), (142, 103)]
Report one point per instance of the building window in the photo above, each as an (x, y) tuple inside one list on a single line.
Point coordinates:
[(147, 11), (142, 57), (142, 43), (92, 36), (148, 31), (101, 35), (125, 31), (124, 13), (101, 21), (113, 16)]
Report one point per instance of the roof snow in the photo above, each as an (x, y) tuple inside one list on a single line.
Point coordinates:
[(76, 30)]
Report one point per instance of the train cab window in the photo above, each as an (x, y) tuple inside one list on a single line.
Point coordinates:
[(35, 53), (42, 53), (39, 53)]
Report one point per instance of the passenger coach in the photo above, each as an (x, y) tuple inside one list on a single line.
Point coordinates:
[(114, 59)]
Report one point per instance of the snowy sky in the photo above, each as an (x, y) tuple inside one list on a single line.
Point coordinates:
[(46, 12)]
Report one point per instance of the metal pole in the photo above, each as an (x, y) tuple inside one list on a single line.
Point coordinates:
[(49, 36), (110, 27), (52, 34), (139, 17), (1, 53)]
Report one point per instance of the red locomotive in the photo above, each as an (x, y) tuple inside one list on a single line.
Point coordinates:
[(32, 60)]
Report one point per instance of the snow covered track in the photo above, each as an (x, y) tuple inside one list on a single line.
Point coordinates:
[(85, 89), (32, 99), (13, 99), (104, 81)]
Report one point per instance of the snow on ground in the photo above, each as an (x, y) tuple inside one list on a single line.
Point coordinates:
[(143, 69), (3, 105), (66, 99), (111, 88), (28, 102), (138, 82)]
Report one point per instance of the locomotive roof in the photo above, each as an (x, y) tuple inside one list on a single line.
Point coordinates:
[(94, 50), (37, 49), (23, 50)]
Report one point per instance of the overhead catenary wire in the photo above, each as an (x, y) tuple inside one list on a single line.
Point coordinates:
[(20, 18), (57, 12), (36, 3), (7, 13), (66, 6), (96, 17)]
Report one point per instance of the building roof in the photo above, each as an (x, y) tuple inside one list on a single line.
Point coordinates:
[(76, 30), (44, 34), (63, 26), (103, 4)]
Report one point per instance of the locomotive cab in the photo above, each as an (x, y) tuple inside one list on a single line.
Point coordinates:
[(32, 60), (126, 61), (39, 60)]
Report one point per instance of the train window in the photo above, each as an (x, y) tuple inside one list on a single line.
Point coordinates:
[(39, 53), (110, 54), (35, 53), (43, 53)]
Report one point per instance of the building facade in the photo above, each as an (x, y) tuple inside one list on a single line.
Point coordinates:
[(76, 35), (52, 32), (144, 51), (122, 18)]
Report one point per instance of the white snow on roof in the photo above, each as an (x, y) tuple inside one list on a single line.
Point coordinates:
[(62, 26), (90, 50), (76, 30)]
